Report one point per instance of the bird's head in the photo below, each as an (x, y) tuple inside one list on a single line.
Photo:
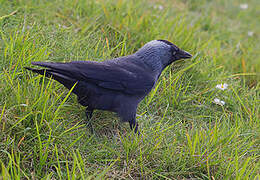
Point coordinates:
[(161, 53)]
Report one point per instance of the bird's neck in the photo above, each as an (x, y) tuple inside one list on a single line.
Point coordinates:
[(150, 59)]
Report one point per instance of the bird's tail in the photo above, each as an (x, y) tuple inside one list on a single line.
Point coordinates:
[(68, 82), (39, 71)]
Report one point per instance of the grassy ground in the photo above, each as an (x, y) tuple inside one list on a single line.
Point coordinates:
[(184, 134)]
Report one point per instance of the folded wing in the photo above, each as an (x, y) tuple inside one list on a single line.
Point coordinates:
[(106, 76)]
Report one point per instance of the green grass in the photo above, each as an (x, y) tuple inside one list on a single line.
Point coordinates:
[(43, 132)]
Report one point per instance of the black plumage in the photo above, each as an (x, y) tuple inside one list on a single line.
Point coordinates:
[(116, 85)]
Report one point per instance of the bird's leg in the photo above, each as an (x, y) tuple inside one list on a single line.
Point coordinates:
[(134, 125), (89, 114), (128, 114)]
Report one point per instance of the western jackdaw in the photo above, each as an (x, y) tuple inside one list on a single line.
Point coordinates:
[(116, 85)]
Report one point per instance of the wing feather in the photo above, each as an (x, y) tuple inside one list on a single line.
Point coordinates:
[(103, 75)]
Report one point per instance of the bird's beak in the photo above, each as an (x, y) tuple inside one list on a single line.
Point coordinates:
[(184, 55)]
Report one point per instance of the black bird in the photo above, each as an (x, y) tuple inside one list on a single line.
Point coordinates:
[(116, 85)]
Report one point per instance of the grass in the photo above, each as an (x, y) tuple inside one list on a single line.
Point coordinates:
[(184, 134)]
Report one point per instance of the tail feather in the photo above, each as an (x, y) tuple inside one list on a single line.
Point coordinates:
[(50, 65), (68, 82), (39, 71)]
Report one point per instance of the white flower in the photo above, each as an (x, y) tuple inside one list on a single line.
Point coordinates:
[(250, 33), (222, 86), (243, 6), (159, 7), (219, 102)]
